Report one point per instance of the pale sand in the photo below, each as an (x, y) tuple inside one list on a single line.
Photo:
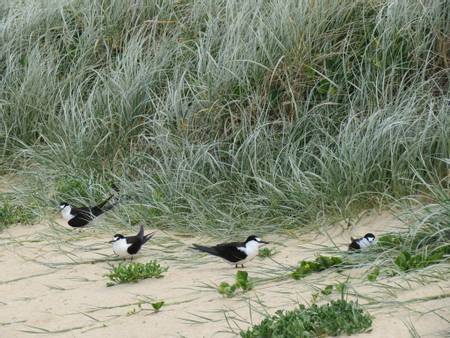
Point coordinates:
[(49, 283)]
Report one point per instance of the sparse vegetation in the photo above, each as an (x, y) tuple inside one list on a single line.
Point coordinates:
[(133, 272), (157, 305), (266, 252), (335, 318), (321, 263), (242, 282), (12, 212)]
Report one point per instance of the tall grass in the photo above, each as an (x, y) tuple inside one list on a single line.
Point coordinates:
[(225, 115)]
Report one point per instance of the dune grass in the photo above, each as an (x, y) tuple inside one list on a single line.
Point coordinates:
[(222, 115)]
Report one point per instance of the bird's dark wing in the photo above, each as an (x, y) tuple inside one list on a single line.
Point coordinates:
[(135, 246), (354, 245), (87, 212), (230, 251), (79, 221)]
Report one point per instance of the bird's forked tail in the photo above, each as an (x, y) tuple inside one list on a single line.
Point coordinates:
[(206, 249)]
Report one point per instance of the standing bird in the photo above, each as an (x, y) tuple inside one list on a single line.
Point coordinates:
[(128, 246), (362, 243), (79, 217), (236, 253)]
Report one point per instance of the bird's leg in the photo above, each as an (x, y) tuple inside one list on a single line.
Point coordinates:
[(236, 266), (242, 266)]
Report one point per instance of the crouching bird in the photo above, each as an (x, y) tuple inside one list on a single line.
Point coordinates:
[(79, 217), (127, 247), (236, 253), (362, 243)]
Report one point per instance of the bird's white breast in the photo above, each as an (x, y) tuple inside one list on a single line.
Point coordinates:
[(66, 213), (364, 243), (120, 247), (251, 249)]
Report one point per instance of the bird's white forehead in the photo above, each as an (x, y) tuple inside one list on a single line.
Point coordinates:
[(257, 239)]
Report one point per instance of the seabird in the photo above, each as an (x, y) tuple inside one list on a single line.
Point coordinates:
[(236, 253)]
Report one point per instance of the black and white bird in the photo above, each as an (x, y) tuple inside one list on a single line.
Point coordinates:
[(362, 243), (236, 253), (128, 246), (79, 217)]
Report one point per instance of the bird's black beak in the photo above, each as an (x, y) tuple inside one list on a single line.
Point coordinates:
[(111, 241), (263, 242)]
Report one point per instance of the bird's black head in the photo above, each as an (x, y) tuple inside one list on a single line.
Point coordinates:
[(116, 238), (62, 205), (370, 237), (256, 239)]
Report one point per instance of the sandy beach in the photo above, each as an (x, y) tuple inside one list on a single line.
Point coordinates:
[(53, 283)]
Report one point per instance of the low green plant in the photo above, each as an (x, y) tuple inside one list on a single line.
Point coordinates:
[(266, 252), (321, 263), (389, 241), (13, 213), (133, 272), (407, 261), (157, 306), (373, 274), (242, 282), (226, 289), (326, 291), (335, 318)]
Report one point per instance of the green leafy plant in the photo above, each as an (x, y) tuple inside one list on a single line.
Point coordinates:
[(266, 252), (389, 241), (325, 292), (335, 318), (226, 289), (13, 213), (242, 282), (373, 274), (321, 263), (407, 261), (133, 272), (157, 306)]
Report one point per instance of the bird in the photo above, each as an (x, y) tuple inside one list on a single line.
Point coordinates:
[(236, 253), (362, 243), (79, 217), (128, 246)]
